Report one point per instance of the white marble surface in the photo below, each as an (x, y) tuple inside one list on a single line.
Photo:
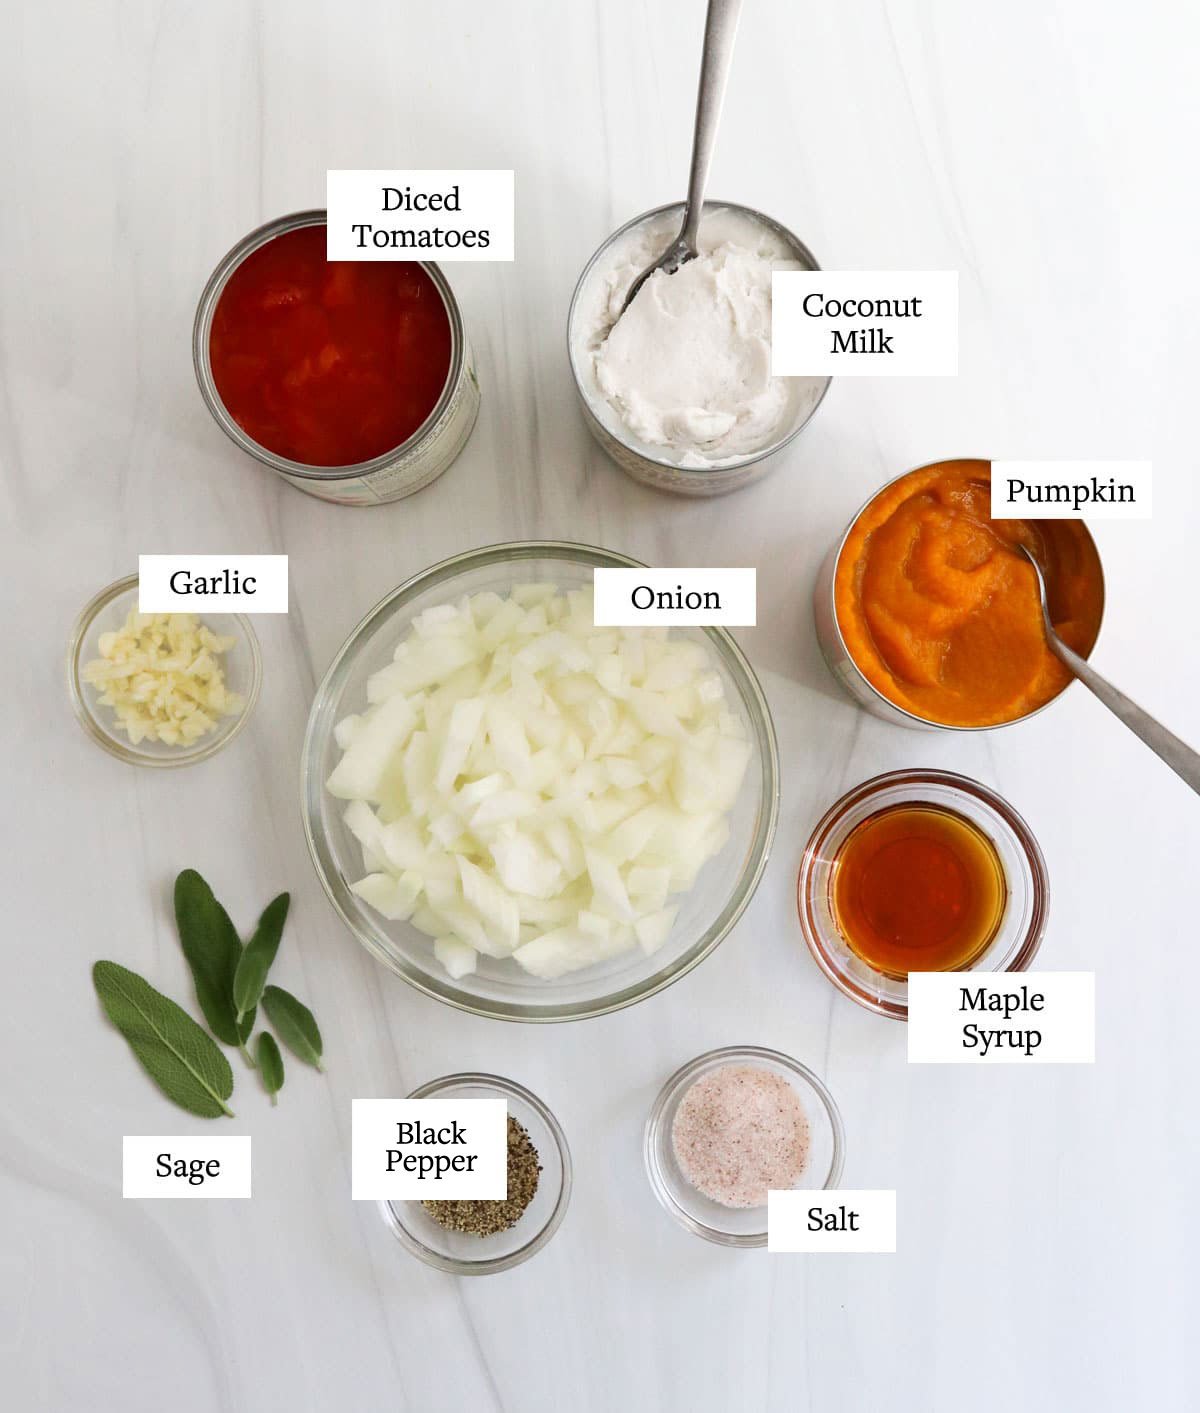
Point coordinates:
[(1048, 1216)]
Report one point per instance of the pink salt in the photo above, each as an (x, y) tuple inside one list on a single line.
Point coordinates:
[(739, 1132)]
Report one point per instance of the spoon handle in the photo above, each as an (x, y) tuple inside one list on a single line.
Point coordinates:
[(1184, 761), (720, 30)]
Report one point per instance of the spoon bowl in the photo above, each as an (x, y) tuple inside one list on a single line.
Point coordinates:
[(677, 254)]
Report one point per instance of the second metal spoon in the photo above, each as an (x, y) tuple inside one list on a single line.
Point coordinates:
[(720, 30), (1184, 761)]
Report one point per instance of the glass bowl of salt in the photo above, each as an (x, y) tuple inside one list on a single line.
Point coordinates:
[(732, 1125)]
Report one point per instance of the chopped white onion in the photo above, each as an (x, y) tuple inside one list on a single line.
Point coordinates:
[(527, 785)]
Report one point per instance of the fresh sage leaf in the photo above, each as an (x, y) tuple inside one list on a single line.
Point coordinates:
[(270, 1064), (251, 974), (213, 949), (294, 1024), (174, 1051)]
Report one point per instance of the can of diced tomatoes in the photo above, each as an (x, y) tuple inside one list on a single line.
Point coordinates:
[(353, 381)]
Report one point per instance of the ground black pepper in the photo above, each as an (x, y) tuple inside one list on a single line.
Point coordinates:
[(487, 1218)]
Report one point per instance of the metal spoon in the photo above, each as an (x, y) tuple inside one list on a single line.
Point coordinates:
[(720, 30), (1184, 761)]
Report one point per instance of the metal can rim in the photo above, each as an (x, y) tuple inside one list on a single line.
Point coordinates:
[(740, 463)]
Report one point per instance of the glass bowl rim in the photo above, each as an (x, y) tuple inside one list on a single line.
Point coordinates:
[(762, 729), (453, 1265), (731, 1054), (861, 678), (206, 747), (1029, 847), (739, 463)]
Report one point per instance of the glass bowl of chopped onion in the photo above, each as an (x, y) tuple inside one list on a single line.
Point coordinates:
[(527, 816), (161, 690)]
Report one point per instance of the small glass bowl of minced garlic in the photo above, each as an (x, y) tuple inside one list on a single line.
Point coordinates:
[(160, 689), (481, 1238)]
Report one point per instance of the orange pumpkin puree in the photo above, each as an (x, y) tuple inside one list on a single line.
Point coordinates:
[(939, 609)]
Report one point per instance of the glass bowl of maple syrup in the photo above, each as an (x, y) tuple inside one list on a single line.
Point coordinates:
[(920, 870)]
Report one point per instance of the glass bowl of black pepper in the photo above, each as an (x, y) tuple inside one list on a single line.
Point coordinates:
[(481, 1238)]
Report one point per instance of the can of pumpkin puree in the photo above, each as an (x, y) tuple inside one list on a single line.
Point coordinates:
[(837, 653), (390, 474)]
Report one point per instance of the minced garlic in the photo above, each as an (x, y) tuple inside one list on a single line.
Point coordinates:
[(161, 673)]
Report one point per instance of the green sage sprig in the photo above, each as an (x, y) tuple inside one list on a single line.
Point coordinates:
[(230, 982)]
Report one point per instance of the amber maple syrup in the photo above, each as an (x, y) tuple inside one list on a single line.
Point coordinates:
[(916, 887)]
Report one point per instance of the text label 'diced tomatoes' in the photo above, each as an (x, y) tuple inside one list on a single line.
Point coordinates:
[(328, 363)]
